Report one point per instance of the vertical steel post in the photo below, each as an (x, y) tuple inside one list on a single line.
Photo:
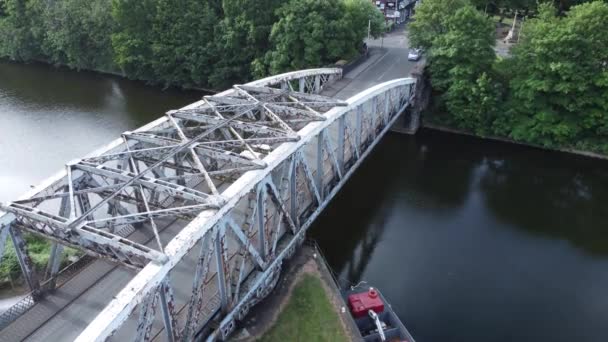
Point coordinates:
[(27, 266), (293, 191), (341, 130), (221, 266), (374, 114), (358, 130), (387, 112), (167, 305), (196, 300), (302, 82), (53, 265), (147, 312), (261, 213), (52, 268), (319, 178), (317, 84)]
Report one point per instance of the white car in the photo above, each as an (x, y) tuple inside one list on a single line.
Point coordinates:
[(414, 54)]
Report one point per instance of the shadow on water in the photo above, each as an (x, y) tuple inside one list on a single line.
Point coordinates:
[(368, 196), (550, 194), (474, 240)]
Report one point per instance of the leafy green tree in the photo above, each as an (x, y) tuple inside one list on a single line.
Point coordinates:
[(243, 36), (431, 21), (312, 33), (460, 65), (3, 9), (74, 33), (132, 37), (184, 42), (16, 41), (560, 78), (361, 15)]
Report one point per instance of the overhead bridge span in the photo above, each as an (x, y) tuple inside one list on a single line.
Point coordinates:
[(184, 223)]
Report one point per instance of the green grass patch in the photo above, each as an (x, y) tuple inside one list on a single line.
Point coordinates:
[(308, 316), (39, 250)]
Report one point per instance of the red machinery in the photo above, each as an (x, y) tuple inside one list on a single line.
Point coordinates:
[(361, 303)]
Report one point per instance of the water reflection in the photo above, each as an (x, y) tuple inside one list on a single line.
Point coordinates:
[(557, 197), (49, 116), (476, 241)]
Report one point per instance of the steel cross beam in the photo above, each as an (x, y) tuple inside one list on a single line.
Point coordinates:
[(262, 138), (293, 204), (103, 174)]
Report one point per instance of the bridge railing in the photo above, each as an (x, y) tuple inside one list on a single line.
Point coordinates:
[(35, 213), (231, 257)]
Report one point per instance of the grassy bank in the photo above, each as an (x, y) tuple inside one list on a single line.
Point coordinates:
[(308, 316)]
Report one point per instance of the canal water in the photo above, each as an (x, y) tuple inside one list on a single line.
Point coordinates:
[(470, 240), (49, 116)]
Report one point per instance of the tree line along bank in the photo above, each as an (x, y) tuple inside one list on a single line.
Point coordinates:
[(186, 43), (553, 89)]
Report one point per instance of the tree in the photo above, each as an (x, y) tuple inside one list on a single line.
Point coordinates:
[(132, 37), (361, 14), (74, 33), (431, 21), (183, 43), (16, 41), (460, 64), (560, 78), (313, 33), (243, 36)]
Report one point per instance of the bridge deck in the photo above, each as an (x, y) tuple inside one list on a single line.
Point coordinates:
[(64, 313)]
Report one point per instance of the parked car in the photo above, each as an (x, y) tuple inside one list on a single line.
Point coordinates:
[(414, 54)]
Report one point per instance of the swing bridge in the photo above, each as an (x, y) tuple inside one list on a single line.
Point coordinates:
[(182, 225)]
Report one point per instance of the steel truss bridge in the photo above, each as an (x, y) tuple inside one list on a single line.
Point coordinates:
[(205, 203)]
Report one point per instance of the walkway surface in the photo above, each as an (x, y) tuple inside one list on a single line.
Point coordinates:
[(63, 314)]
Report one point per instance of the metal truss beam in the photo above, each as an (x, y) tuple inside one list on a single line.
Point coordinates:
[(289, 212), (250, 168)]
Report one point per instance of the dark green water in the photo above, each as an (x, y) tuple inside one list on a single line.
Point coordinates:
[(477, 241), (470, 240)]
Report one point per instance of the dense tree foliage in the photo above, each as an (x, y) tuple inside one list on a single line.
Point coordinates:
[(431, 21), (462, 60), (132, 38), (317, 32), (559, 82), (245, 30), (183, 41), (16, 39), (553, 91), (188, 43)]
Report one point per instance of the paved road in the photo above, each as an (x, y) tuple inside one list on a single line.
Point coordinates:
[(63, 314), (387, 61)]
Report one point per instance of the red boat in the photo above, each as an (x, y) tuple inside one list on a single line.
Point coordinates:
[(374, 317)]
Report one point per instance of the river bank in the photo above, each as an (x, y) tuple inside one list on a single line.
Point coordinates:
[(468, 238), (451, 130), (306, 305)]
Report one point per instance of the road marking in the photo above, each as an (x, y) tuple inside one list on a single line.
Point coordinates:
[(391, 68)]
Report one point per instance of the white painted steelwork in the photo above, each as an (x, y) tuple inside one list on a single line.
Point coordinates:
[(248, 170)]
